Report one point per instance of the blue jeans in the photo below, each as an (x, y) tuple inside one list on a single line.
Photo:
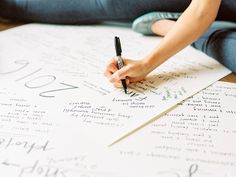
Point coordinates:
[(83, 11), (219, 42), (92, 11)]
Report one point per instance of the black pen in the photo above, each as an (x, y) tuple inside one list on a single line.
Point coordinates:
[(120, 61)]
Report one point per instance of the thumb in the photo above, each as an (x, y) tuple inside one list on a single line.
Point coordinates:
[(120, 74)]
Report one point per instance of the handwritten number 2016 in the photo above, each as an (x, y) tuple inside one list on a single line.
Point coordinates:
[(39, 81), (22, 64)]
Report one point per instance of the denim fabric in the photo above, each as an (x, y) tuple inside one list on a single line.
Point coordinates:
[(85, 11), (219, 42), (93, 11)]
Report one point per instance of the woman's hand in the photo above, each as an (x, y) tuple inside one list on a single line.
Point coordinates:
[(133, 71)]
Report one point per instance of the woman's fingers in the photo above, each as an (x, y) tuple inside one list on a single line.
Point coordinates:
[(113, 73), (120, 74), (111, 67), (110, 71), (133, 71)]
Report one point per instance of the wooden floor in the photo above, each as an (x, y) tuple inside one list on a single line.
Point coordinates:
[(5, 26)]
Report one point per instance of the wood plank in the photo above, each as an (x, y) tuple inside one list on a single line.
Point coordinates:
[(8, 25), (230, 78)]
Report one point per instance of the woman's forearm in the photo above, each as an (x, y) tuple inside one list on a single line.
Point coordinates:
[(190, 26)]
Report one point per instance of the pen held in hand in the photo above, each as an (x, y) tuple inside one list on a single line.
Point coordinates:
[(120, 60)]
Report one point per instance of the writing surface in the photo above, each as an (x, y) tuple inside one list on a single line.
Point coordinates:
[(60, 71), (60, 163), (195, 139), (199, 131), (53, 60)]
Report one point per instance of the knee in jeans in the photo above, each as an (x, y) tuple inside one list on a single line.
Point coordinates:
[(222, 47)]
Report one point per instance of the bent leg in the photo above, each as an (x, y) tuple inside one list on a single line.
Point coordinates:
[(219, 42), (85, 11), (52, 11)]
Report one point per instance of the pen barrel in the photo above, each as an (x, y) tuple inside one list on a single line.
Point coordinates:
[(120, 62), (123, 82)]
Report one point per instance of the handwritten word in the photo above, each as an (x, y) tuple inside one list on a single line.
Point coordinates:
[(193, 168), (39, 81), (27, 146), (53, 168), (36, 169)]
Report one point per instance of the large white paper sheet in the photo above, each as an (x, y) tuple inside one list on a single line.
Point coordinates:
[(52, 79), (199, 134), (80, 54), (195, 139)]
